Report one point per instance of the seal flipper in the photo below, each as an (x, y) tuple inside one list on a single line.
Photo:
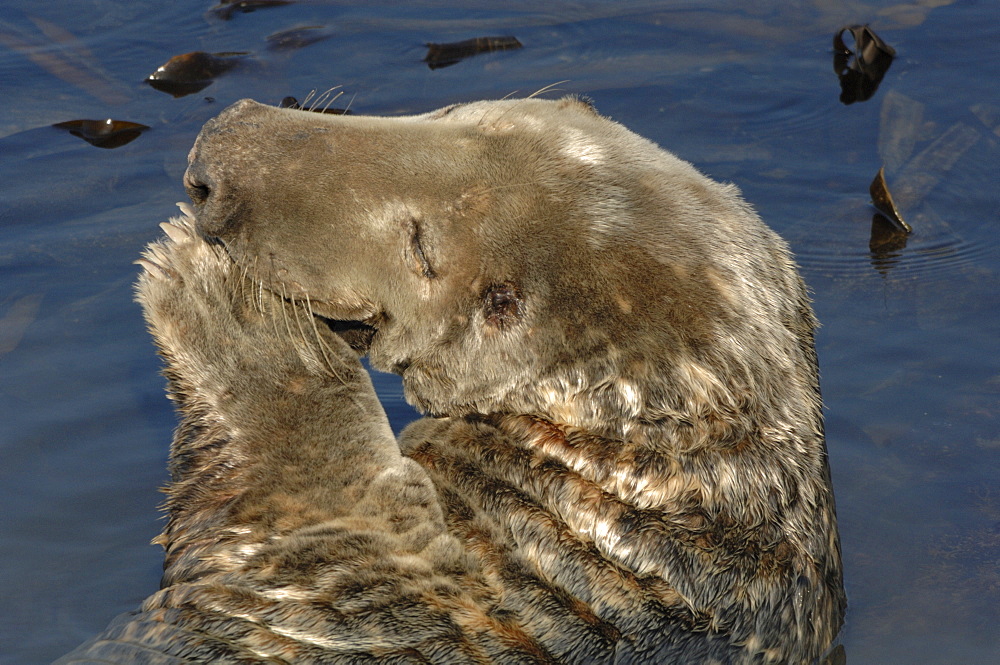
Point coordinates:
[(297, 531)]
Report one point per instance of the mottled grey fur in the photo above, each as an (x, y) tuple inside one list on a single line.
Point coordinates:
[(624, 457)]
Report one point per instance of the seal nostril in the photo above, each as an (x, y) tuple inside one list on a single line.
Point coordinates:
[(197, 193), (196, 189)]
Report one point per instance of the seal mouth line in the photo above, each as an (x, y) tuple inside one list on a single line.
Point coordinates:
[(357, 332)]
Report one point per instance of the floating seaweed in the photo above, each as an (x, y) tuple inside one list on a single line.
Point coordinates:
[(192, 72), (226, 8), (860, 71), (296, 38), (292, 103), (103, 133), (882, 200), (446, 55)]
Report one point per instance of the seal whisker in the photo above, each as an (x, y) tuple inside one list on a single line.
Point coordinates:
[(248, 289), (307, 310), (483, 118), (541, 91), (320, 99), (321, 343), (260, 286), (234, 277), (549, 88), (306, 100), (284, 311), (298, 306), (350, 103), (262, 293), (332, 100)]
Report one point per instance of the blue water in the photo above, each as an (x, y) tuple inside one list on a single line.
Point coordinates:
[(911, 370)]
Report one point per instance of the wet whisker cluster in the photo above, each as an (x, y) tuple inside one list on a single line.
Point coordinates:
[(320, 103), (541, 91), (291, 317)]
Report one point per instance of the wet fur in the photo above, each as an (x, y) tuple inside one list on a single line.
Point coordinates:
[(624, 460)]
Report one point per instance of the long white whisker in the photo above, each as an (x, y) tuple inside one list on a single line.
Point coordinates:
[(332, 100), (549, 87), (322, 344), (305, 101), (540, 91), (348, 107)]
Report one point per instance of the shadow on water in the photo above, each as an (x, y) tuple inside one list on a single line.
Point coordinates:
[(911, 375)]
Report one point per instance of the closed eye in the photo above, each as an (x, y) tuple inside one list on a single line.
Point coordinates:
[(418, 256)]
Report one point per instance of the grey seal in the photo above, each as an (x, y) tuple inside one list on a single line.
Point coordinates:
[(623, 458)]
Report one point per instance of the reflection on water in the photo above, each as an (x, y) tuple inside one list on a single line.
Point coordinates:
[(911, 376), (887, 243), (103, 133)]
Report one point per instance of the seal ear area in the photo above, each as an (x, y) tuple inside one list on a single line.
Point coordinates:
[(503, 305)]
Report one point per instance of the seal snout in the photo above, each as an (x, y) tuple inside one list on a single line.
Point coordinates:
[(219, 162)]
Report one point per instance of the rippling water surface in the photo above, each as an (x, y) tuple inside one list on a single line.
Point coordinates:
[(911, 370)]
